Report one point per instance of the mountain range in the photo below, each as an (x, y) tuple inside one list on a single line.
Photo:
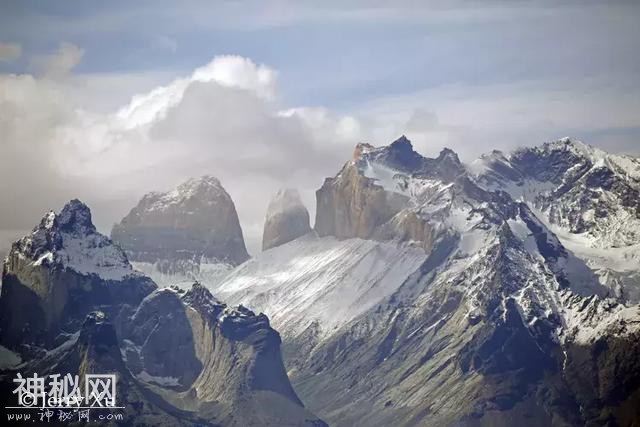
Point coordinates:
[(504, 291)]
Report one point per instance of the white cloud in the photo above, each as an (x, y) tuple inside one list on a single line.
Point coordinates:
[(222, 119), (226, 119), (31, 109), (228, 71), (10, 52), (59, 63)]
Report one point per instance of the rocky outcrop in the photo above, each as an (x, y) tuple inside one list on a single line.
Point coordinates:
[(195, 222), (61, 271), (589, 195), (286, 220), (94, 350), (352, 205), (207, 355), (370, 197), (604, 377), (401, 157)]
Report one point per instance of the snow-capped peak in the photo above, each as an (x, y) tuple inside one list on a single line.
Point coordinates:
[(400, 157), (619, 163), (75, 217), (205, 181), (69, 240), (206, 188), (596, 156)]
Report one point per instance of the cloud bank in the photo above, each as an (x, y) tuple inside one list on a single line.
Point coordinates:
[(222, 119), (227, 118)]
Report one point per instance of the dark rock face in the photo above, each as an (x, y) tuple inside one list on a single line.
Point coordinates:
[(75, 217), (197, 220), (605, 378), (157, 331), (94, 349), (400, 156), (63, 270), (220, 357), (286, 220), (549, 163)]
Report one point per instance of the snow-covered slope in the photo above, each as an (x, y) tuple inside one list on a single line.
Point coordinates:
[(183, 273), (589, 198), (320, 280), (580, 188)]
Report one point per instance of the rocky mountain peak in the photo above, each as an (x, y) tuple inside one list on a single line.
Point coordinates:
[(46, 239), (75, 217), (574, 145), (204, 189), (69, 240), (402, 144), (373, 196), (580, 188), (285, 199), (550, 161), (361, 148), (448, 154), (195, 222), (398, 155), (287, 219), (222, 354), (98, 331), (63, 270), (401, 157), (204, 184), (200, 298), (448, 160)]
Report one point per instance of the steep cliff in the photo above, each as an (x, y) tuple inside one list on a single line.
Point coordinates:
[(218, 361), (374, 195), (189, 233)]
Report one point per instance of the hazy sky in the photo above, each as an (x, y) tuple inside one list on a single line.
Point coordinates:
[(105, 101)]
